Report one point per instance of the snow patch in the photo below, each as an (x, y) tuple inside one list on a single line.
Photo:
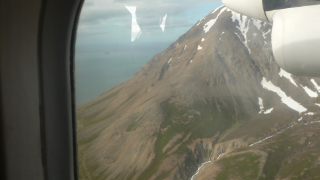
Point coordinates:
[(311, 122), (266, 33), (284, 98), (287, 75), (199, 22), (300, 119), (190, 61), (169, 60), (243, 27), (261, 105), (310, 114), (210, 23), (257, 23), (268, 111), (262, 108), (317, 104), (314, 122), (185, 47), (315, 85), (216, 9), (310, 92), (202, 39), (199, 47)]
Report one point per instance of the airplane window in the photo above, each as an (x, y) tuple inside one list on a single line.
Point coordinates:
[(189, 90)]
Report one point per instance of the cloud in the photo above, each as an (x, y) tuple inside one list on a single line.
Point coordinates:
[(109, 20), (99, 11)]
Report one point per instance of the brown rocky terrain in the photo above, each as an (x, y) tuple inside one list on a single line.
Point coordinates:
[(217, 89)]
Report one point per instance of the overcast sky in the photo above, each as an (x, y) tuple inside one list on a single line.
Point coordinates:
[(108, 21), (105, 55)]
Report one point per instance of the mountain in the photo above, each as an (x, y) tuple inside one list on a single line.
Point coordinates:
[(213, 105)]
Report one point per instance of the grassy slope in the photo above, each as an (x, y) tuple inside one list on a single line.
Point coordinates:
[(187, 121), (292, 154), (241, 166)]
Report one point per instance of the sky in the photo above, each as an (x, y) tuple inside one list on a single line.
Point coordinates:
[(109, 21), (105, 53)]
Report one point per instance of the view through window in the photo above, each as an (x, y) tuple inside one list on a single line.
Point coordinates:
[(105, 53), (188, 90)]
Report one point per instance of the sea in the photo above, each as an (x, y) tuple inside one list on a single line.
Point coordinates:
[(99, 68)]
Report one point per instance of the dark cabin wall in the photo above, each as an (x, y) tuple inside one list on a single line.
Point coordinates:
[(20, 89), (37, 126)]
